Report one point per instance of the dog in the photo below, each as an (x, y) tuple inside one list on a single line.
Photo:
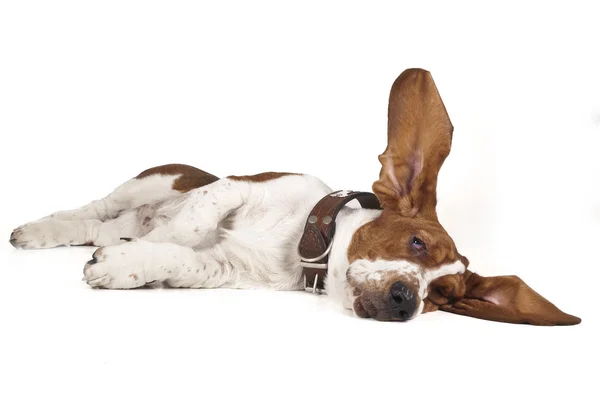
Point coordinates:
[(389, 260)]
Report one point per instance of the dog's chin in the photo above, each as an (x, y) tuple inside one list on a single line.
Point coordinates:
[(365, 307), (359, 309)]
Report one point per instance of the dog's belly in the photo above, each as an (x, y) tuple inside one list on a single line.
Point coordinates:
[(265, 250)]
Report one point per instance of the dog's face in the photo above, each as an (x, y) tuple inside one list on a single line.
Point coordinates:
[(393, 260), (404, 263)]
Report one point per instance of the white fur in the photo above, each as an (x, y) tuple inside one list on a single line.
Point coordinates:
[(347, 222), (362, 270), (429, 275), (139, 262)]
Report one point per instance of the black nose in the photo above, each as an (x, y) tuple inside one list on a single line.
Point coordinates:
[(403, 301)]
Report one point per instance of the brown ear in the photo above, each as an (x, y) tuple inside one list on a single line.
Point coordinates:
[(419, 140), (506, 299)]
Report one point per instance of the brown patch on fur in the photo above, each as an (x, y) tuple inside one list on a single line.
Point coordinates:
[(429, 307), (189, 179), (389, 237), (261, 178), (419, 140), (447, 289), (503, 298), (134, 276)]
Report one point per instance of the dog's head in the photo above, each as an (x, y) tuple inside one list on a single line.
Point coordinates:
[(404, 263)]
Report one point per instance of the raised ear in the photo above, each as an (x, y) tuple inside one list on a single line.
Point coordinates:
[(419, 140), (505, 299)]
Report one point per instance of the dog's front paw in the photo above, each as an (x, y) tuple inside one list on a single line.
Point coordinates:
[(119, 266), (41, 234)]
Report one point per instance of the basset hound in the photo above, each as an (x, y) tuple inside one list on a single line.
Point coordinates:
[(390, 259)]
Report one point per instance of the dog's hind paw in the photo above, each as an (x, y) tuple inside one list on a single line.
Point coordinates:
[(41, 234)]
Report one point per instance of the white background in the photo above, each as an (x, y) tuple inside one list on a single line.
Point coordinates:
[(92, 93)]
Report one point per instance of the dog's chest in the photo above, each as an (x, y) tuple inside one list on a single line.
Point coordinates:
[(262, 235), (274, 212)]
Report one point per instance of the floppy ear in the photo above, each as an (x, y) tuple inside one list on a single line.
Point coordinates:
[(505, 299), (419, 140)]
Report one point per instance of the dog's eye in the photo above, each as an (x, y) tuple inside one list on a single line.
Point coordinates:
[(417, 244)]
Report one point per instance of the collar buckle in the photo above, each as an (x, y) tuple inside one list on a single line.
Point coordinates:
[(314, 289)]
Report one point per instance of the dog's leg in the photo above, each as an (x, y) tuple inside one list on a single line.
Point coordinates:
[(201, 215), (150, 186), (139, 262), (153, 185), (166, 253), (128, 195), (49, 233)]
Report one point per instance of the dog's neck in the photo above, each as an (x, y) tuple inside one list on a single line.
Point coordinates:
[(348, 221)]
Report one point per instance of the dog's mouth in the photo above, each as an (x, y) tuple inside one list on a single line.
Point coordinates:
[(385, 307), (365, 308)]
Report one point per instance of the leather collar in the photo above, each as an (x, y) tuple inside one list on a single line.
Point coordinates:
[(317, 240)]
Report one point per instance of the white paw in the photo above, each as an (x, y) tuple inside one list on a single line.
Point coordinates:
[(45, 233), (119, 266)]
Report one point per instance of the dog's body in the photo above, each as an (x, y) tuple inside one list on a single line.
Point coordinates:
[(188, 228)]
